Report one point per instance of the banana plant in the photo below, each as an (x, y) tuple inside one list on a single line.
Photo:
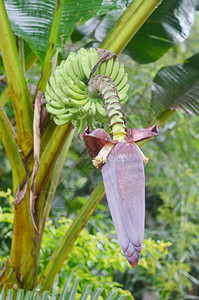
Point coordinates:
[(35, 146), (86, 87)]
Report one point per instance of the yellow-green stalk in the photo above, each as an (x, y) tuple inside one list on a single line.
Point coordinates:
[(104, 87)]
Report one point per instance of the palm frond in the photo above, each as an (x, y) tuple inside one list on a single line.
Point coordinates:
[(69, 292)]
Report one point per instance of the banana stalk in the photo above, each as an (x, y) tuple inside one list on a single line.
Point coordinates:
[(104, 86)]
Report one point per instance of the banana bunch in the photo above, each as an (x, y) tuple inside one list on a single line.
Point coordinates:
[(67, 94)]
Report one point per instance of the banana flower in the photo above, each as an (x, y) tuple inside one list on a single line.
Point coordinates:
[(122, 167)]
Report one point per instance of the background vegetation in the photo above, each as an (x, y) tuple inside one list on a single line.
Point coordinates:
[(169, 267)]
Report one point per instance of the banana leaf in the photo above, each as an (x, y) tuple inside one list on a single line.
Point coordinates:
[(169, 24), (32, 20), (177, 87)]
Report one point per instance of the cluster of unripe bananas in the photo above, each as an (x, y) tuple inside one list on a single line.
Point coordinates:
[(67, 94)]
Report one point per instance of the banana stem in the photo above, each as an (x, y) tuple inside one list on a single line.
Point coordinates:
[(128, 24), (104, 87)]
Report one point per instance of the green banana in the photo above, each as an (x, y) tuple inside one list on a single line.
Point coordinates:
[(73, 86), (67, 93), (123, 93), (122, 83), (55, 111), (73, 94), (81, 53), (55, 104), (78, 103), (115, 69), (62, 69), (100, 109), (59, 78), (52, 95), (102, 68), (109, 67), (94, 57), (69, 69), (85, 108), (120, 75), (74, 63), (81, 85), (61, 121), (92, 110), (82, 125), (86, 65)]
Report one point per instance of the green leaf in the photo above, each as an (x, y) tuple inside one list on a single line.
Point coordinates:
[(44, 295), (97, 27), (18, 87), (66, 287), (74, 289), (8, 138), (29, 295), (2, 294), (177, 87), (9, 295), (111, 296), (169, 24), (1, 65), (36, 295), (69, 292), (32, 20), (20, 294), (61, 253), (86, 292), (97, 293), (122, 297)]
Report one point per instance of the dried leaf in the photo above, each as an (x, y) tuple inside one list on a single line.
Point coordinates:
[(37, 140), (44, 114), (105, 55), (20, 193)]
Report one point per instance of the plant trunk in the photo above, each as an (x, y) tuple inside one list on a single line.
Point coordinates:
[(25, 243)]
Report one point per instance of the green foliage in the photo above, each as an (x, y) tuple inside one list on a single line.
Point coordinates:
[(96, 258), (93, 258), (5, 171), (174, 178), (177, 87), (69, 292), (5, 215), (169, 263), (170, 23), (27, 17), (6, 222)]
